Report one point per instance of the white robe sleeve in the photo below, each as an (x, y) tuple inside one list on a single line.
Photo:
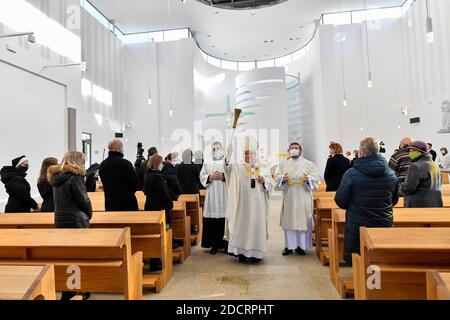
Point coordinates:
[(204, 175), (314, 174), (279, 174)]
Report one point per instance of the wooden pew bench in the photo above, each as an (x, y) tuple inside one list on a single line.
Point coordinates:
[(148, 235), (202, 194), (27, 283), (322, 222), (438, 286), (403, 218), (103, 257), (402, 256), (194, 211)]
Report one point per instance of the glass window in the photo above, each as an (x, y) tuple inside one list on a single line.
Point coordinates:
[(282, 61), (265, 64), (376, 14), (157, 36), (173, 35), (337, 18), (135, 38), (246, 66), (230, 65)]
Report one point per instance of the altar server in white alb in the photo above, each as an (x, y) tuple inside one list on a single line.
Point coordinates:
[(213, 179), (297, 178), (246, 227)]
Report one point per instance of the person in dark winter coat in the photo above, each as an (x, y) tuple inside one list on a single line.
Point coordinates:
[(336, 166), (119, 180), (144, 167), (368, 192), (17, 187), (91, 177), (188, 174), (155, 188), (171, 177), (423, 182), (431, 151), (44, 186), (73, 208)]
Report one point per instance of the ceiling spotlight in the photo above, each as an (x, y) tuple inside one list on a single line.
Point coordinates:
[(430, 33), (183, 1), (301, 26), (252, 13)]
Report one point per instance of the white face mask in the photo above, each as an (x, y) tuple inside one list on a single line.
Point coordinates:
[(294, 152), (217, 155), (161, 166)]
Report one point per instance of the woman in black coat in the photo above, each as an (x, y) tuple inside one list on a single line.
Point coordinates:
[(44, 186), (158, 198), (73, 209), (171, 177), (156, 189), (336, 167), (188, 174), (17, 187)]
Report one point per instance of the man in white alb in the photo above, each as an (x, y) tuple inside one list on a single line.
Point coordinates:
[(246, 227), (297, 178)]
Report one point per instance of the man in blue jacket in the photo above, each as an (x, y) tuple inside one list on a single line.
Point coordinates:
[(368, 192)]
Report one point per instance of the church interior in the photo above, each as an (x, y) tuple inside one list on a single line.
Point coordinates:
[(224, 150)]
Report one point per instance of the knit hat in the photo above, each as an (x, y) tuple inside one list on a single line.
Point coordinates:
[(419, 146), (15, 162)]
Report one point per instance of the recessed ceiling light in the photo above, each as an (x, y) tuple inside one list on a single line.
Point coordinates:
[(209, 36), (265, 41), (301, 26), (225, 54), (298, 38), (291, 39), (271, 40), (216, 12), (213, 46), (252, 13)]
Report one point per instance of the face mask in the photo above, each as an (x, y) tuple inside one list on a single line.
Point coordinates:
[(217, 155), (413, 154), (444, 153), (160, 167), (23, 168), (294, 152)]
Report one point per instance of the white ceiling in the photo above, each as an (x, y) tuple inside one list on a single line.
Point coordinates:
[(232, 34)]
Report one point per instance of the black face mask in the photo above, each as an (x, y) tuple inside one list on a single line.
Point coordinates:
[(23, 169)]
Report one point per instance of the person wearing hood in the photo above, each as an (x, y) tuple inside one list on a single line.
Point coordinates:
[(212, 176), (73, 209), (423, 182), (297, 178), (368, 192), (44, 186), (188, 174), (17, 187), (119, 180)]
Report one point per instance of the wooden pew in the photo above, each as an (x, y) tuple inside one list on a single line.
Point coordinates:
[(401, 257), (403, 218), (103, 257), (27, 283), (180, 222), (446, 190), (181, 226), (195, 213), (148, 235), (438, 286), (202, 194), (322, 222), (445, 177)]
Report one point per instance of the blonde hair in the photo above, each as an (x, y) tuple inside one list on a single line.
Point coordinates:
[(75, 160), (154, 161)]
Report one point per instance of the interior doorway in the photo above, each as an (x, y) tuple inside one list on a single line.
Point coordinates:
[(86, 139)]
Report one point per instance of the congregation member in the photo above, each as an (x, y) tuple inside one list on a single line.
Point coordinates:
[(44, 186), (144, 166), (73, 209), (199, 161), (119, 180), (17, 187), (213, 179), (335, 168), (170, 175), (297, 178), (444, 159), (368, 192), (354, 158), (400, 160), (246, 227), (423, 182), (188, 174), (431, 151), (91, 177)]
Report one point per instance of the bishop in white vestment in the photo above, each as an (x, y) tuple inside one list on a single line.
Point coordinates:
[(246, 227), (297, 178), (213, 179)]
